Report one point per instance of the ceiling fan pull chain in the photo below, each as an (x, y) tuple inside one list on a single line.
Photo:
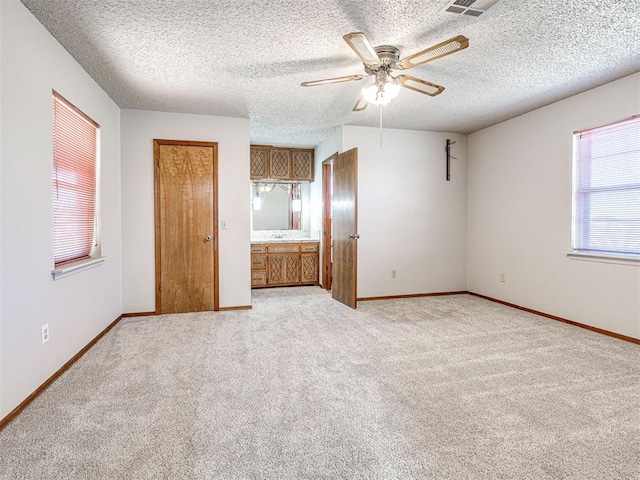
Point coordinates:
[(380, 108)]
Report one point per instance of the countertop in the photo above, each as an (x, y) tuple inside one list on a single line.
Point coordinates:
[(284, 240)]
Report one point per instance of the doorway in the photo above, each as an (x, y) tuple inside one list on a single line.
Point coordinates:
[(186, 216), (327, 221)]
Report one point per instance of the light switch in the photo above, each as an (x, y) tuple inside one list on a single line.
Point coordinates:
[(223, 224)]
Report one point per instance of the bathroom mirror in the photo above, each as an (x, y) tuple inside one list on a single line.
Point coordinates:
[(276, 206)]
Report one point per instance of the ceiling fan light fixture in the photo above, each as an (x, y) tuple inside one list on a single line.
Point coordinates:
[(381, 93)]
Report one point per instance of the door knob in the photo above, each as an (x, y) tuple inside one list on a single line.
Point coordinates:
[(207, 238), (353, 235)]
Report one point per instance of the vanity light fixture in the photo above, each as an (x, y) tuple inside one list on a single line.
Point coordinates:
[(265, 187), (257, 202), (296, 204)]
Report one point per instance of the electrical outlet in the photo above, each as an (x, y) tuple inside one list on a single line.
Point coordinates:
[(393, 274), (503, 277), (45, 333)]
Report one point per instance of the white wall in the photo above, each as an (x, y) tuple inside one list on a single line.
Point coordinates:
[(410, 218), (139, 128), (305, 213), (2, 47), (79, 307), (520, 214)]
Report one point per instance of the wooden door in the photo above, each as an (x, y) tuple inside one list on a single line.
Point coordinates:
[(186, 226), (345, 227)]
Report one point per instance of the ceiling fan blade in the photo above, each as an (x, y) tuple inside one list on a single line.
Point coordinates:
[(421, 86), (448, 47), (363, 48), (348, 78), (360, 105)]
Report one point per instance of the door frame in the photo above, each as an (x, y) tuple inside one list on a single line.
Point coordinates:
[(158, 247), (327, 166)]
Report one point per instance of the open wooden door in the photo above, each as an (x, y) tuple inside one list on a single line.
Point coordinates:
[(186, 226), (345, 228)]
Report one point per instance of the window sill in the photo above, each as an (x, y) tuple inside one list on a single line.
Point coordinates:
[(602, 258), (76, 267)]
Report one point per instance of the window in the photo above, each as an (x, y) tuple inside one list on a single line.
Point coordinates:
[(75, 147), (606, 189)]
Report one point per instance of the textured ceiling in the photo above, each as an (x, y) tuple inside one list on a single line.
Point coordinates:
[(246, 58)]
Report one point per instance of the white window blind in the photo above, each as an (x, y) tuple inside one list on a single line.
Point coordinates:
[(74, 182), (606, 189)]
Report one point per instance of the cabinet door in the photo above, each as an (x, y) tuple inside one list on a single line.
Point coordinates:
[(280, 164), (302, 165), (309, 267), (259, 166), (284, 269)]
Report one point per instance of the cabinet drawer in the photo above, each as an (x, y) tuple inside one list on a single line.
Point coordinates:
[(258, 249), (258, 262), (258, 279), (284, 248), (309, 247)]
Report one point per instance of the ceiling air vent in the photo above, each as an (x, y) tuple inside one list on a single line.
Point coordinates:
[(472, 8)]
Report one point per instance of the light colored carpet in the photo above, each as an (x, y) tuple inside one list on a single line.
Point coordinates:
[(302, 387)]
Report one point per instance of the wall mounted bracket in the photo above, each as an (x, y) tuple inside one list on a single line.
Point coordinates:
[(449, 157)]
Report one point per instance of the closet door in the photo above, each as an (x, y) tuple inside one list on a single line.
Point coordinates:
[(186, 226)]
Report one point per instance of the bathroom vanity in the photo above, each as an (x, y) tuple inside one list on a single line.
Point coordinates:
[(284, 252), (286, 262)]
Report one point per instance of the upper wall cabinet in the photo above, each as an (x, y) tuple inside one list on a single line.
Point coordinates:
[(278, 163), (302, 165), (259, 167)]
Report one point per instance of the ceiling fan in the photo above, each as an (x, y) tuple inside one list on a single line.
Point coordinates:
[(381, 60)]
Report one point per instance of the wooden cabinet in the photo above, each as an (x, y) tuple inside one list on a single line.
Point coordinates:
[(280, 163), (284, 269), (258, 266), (259, 165), (302, 165), (283, 264), (308, 267), (309, 263)]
